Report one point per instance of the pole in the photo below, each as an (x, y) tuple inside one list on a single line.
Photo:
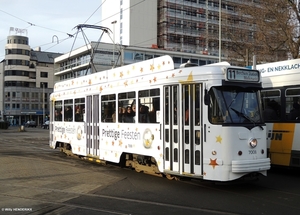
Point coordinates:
[(114, 22), (220, 28), (43, 103)]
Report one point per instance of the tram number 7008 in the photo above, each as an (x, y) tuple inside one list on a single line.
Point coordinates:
[(252, 152)]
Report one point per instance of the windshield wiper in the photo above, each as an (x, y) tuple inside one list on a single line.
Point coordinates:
[(240, 114)]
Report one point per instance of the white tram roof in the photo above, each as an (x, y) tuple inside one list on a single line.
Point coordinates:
[(150, 72), (281, 73)]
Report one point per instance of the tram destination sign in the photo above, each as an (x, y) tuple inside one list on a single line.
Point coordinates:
[(245, 75)]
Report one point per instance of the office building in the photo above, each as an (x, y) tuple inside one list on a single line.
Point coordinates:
[(191, 26), (27, 77)]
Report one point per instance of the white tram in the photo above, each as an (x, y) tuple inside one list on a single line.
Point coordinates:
[(202, 122)]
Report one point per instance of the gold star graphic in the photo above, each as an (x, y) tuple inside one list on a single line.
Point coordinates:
[(90, 81), (213, 162), (121, 74), (158, 67), (126, 83), (152, 67), (219, 139), (188, 80), (154, 79), (141, 70)]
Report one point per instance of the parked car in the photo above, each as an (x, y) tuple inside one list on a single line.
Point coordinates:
[(30, 124), (46, 125)]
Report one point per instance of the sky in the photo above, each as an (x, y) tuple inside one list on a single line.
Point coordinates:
[(48, 23)]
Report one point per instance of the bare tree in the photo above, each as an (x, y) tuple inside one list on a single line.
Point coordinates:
[(270, 30)]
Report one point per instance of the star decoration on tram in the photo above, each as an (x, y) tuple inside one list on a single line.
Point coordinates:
[(152, 67), (219, 139), (213, 163)]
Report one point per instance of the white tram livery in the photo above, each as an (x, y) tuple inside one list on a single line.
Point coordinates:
[(201, 122)]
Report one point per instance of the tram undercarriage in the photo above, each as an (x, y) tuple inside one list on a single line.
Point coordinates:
[(139, 163)]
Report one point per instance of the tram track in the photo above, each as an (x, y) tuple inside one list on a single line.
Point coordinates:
[(65, 173), (252, 190), (58, 205)]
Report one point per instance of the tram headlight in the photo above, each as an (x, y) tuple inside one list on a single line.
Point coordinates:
[(253, 143)]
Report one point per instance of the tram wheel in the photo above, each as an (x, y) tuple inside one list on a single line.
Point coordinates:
[(137, 170), (170, 177)]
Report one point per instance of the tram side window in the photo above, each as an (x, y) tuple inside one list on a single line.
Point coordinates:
[(79, 109), (108, 108), (58, 111), (293, 103), (68, 110), (271, 104), (149, 105), (127, 107)]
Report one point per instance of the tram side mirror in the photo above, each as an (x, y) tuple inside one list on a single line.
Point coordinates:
[(206, 99)]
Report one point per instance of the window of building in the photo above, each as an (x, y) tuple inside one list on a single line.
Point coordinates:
[(177, 60), (43, 85), (44, 74), (128, 55)]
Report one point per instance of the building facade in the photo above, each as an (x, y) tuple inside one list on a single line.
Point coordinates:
[(28, 79), (191, 26), (104, 56)]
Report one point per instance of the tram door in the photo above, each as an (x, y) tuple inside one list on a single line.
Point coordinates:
[(182, 128), (92, 125)]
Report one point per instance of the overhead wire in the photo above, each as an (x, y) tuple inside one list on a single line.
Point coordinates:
[(32, 24), (68, 34)]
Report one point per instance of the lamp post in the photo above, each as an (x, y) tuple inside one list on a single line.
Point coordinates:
[(113, 23), (43, 103), (220, 28)]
